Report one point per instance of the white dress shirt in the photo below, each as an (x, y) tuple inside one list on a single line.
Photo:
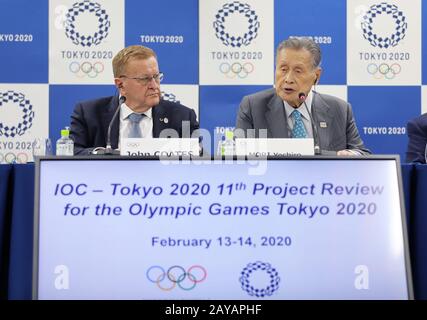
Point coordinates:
[(146, 123)]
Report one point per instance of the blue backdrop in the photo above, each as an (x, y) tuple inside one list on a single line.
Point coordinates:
[(54, 53)]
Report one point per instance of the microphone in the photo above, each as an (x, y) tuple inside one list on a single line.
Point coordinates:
[(317, 151), (108, 150)]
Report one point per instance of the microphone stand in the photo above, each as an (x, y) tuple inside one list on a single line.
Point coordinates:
[(108, 150), (317, 150)]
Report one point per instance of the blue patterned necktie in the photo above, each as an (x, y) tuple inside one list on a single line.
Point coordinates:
[(299, 130), (134, 129)]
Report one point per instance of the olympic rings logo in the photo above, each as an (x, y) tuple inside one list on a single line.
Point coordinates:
[(384, 70), (273, 275), (176, 275), (236, 69), (132, 144), (86, 68), (11, 157)]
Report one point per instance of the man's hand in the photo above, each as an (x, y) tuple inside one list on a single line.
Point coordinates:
[(345, 153)]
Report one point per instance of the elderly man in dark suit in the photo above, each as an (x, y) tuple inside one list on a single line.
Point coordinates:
[(417, 133), (281, 113), (143, 113)]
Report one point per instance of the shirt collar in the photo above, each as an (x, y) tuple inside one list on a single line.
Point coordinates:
[(289, 109), (125, 111)]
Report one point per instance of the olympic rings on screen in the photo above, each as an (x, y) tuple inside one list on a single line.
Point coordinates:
[(86, 68), (11, 157), (236, 69), (176, 275), (383, 70)]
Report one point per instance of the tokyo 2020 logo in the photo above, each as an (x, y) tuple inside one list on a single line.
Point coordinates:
[(24, 122), (268, 284), (225, 35), (368, 23), (78, 37)]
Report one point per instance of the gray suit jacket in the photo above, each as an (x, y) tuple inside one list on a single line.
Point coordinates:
[(265, 110)]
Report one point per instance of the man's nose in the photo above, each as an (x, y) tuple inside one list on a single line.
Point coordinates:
[(289, 77), (152, 83)]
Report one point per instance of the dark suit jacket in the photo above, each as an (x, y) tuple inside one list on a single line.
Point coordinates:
[(417, 133), (265, 110), (90, 120)]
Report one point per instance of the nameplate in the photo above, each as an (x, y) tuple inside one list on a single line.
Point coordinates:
[(159, 147), (274, 147)]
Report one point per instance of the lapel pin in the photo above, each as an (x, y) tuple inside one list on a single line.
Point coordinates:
[(323, 124)]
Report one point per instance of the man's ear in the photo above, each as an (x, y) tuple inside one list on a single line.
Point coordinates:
[(318, 73)]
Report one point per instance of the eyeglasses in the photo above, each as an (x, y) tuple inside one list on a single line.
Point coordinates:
[(146, 80)]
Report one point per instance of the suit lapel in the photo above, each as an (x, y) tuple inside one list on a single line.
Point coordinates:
[(106, 119), (323, 120), (276, 118), (159, 114)]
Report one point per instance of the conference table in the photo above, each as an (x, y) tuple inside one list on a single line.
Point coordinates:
[(16, 227)]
